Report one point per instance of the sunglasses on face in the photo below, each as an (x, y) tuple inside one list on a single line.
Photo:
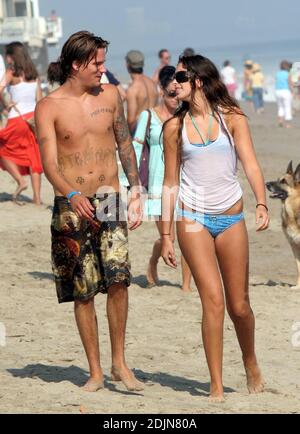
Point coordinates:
[(182, 76), (171, 93)]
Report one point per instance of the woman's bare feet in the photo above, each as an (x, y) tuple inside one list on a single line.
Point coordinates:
[(93, 384), (152, 276), (22, 185), (128, 379), (255, 381), (216, 395), (220, 399), (186, 289), (37, 202)]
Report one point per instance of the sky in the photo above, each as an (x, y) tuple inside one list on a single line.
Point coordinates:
[(149, 25)]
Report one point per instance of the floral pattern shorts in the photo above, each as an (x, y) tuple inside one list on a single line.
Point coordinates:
[(89, 257)]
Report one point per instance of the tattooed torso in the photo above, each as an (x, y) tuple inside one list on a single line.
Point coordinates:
[(86, 145)]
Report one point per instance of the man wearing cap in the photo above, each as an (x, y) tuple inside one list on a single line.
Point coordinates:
[(142, 93)]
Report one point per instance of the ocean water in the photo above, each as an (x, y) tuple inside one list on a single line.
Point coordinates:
[(268, 55)]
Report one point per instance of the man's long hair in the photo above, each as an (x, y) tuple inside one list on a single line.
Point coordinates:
[(81, 47)]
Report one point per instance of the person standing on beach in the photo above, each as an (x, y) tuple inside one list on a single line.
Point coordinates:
[(19, 150), (229, 78), (165, 58), (284, 94), (187, 52), (201, 145), (142, 92), (154, 120), (257, 83), (78, 127), (248, 92), (2, 85)]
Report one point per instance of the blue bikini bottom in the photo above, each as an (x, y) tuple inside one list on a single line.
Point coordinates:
[(216, 224)]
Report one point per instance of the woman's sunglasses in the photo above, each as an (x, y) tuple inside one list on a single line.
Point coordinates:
[(182, 76)]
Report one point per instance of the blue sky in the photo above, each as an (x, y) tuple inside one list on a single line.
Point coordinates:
[(150, 25)]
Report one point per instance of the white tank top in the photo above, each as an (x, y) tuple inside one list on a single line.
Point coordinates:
[(208, 176), (24, 96)]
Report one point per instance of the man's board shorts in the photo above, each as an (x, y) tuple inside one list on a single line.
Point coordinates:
[(89, 257)]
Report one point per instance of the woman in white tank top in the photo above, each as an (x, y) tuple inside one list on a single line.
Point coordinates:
[(19, 150), (201, 145)]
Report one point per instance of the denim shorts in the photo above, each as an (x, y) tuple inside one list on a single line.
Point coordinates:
[(216, 224)]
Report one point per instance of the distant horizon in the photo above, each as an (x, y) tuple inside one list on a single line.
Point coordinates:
[(204, 25)]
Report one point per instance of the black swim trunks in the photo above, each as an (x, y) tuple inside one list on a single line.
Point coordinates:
[(88, 258)]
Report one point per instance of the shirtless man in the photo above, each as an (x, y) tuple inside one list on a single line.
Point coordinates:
[(165, 58), (78, 126), (142, 93)]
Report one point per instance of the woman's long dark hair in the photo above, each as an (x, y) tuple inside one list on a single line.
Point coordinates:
[(215, 91), (23, 65)]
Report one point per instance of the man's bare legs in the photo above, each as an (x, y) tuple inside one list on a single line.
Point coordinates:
[(117, 310), (36, 187), (199, 251), (14, 171), (86, 320), (152, 276), (233, 258)]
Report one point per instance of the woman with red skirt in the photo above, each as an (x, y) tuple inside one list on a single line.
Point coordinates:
[(19, 150)]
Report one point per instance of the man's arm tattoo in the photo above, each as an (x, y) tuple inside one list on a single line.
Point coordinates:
[(120, 125), (125, 148), (129, 163)]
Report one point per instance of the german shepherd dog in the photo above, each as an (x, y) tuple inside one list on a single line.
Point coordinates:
[(287, 189)]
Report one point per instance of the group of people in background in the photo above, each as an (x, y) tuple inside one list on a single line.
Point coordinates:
[(287, 89)]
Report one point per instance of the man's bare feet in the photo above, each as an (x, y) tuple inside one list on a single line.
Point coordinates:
[(255, 381), (152, 276), (128, 379), (93, 384)]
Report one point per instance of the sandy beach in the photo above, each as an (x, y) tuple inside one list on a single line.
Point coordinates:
[(43, 363)]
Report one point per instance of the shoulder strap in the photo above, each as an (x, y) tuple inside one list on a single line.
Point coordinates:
[(147, 127), (225, 128)]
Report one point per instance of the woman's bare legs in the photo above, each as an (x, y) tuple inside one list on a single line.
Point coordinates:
[(36, 187), (186, 276), (152, 276), (14, 171), (198, 248), (233, 257)]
